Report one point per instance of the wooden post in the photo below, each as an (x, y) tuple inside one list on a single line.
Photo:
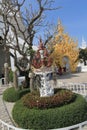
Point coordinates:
[(31, 81), (15, 78)]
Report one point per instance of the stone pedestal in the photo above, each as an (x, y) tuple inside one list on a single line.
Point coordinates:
[(46, 89)]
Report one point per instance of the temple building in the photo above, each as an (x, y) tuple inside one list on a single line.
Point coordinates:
[(83, 43), (6, 55)]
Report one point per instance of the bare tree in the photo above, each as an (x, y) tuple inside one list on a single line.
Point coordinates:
[(17, 26)]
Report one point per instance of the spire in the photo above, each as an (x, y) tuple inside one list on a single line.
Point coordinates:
[(60, 27), (83, 45), (41, 46), (59, 22)]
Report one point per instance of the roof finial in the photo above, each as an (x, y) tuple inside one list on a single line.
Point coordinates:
[(83, 46), (41, 46), (59, 21)]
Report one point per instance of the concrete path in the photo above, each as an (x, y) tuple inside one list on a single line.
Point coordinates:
[(5, 114), (2, 88)]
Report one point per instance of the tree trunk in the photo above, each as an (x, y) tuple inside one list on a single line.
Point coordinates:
[(27, 80), (26, 83)]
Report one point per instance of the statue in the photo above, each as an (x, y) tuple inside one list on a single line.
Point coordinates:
[(42, 64)]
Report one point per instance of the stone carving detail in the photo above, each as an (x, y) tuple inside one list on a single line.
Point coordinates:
[(46, 88)]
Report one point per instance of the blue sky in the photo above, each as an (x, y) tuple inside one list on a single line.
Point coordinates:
[(73, 16)]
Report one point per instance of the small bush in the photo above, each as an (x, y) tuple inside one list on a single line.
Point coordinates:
[(61, 97), (12, 95), (53, 118)]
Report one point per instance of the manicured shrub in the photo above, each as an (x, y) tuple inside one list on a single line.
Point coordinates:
[(52, 118), (61, 97), (12, 95)]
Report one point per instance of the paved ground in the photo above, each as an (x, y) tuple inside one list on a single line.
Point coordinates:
[(74, 77), (70, 78), (6, 108), (4, 115)]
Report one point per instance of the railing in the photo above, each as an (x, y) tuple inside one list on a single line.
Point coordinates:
[(20, 80), (80, 88), (80, 126), (5, 126)]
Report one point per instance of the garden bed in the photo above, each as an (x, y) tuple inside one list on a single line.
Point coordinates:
[(50, 118)]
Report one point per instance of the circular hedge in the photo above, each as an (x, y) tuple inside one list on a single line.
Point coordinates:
[(60, 97), (51, 118), (12, 95)]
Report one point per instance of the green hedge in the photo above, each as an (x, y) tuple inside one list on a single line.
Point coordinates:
[(12, 95), (52, 118)]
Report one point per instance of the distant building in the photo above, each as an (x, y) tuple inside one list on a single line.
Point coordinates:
[(83, 44), (81, 67)]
